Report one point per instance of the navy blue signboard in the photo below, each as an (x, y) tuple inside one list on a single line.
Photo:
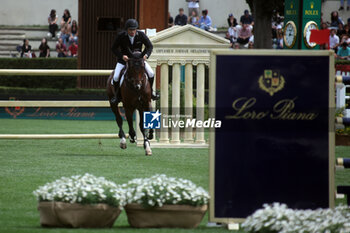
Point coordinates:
[(276, 141)]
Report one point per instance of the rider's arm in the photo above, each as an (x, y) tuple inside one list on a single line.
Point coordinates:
[(148, 45), (116, 47)]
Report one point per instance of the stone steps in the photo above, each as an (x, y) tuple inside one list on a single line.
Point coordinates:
[(11, 37)]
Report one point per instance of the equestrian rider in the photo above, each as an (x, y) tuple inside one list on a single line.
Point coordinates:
[(126, 41)]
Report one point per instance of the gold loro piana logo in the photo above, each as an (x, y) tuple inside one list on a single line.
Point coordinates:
[(271, 82)]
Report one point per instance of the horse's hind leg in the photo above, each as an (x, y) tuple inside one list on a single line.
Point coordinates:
[(146, 143)]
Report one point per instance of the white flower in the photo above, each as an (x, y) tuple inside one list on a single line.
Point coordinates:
[(278, 218), (159, 190), (86, 189)]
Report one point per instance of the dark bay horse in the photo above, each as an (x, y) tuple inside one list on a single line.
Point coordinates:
[(135, 91)]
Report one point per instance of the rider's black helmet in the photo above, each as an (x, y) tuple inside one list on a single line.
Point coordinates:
[(131, 24)]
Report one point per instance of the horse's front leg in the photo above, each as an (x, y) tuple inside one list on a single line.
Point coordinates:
[(132, 135), (146, 143), (119, 121)]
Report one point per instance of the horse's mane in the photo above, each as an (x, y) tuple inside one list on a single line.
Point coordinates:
[(137, 54)]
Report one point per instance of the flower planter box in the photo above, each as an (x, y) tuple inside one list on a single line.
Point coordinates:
[(342, 140), (167, 216), (60, 214)]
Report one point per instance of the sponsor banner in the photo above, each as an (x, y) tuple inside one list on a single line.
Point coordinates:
[(57, 113), (276, 142)]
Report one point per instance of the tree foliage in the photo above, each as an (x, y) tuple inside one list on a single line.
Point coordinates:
[(262, 12)]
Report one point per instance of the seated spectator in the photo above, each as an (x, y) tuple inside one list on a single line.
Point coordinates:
[(194, 19), (73, 50), (193, 5), (170, 20), (232, 22), (181, 18), (66, 18), (250, 45), (333, 40), (343, 52), (345, 39), (61, 49), (246, 19), (232, 34), (73, 35), (26, 49), (341, 30), (279, 37), (205, 21), (346, 30), (323, 46), (44, 49), (335, 20), (244, 33), (52, 20), (65, 34)]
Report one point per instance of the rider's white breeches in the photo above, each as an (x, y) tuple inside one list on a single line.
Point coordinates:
[(120, 66)]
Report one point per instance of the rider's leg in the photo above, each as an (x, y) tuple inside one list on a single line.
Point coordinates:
[(115, 83), (150, 74)]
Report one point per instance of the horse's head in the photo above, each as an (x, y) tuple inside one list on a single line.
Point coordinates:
[(136, 69)]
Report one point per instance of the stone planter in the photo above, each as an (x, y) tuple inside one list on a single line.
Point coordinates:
[(167, 216), (342, 140), (60, 214)]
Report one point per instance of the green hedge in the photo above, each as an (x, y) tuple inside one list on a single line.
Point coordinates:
[(38, 81)]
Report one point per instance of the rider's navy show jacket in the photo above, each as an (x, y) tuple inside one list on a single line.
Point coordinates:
[(122, 44)]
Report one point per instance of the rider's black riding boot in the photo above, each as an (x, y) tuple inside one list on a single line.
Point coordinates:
[(115, 99), (154, 95)]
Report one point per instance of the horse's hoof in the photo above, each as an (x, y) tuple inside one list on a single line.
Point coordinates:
[(123, 143), (148, 153), (133, 140)]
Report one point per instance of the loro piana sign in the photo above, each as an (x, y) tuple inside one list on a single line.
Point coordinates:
[(276, 141)]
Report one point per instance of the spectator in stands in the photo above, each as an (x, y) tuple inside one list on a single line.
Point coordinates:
[(334, 40), (181, 18), (251, 45), (73, 34), (61, 49), (52, 20), (66, 18), (205, 21), (236, 45), (324, 46), (232, 22), (341, 30), (343, 52), (26, 49), (244, 34), (247, 19), (193, 5), (170, 20), (345, 39), (65, 34), (342, 5), (73, 50), (346, 30), (335, 20), (44, 49), (194, 19), (279, 37)]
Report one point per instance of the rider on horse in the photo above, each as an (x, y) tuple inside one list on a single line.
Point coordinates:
[(126, 42)]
